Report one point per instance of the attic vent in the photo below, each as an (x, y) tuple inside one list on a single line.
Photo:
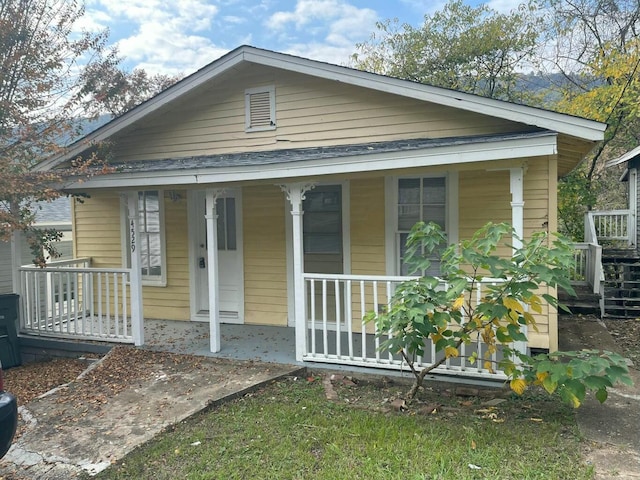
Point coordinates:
[(260, 109)]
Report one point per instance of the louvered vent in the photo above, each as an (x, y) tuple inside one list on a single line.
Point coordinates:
[(260, 109)]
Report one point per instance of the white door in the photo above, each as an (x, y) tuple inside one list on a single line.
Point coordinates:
[(230, 269)]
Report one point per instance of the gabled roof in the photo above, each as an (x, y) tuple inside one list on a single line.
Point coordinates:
[(545, 119)]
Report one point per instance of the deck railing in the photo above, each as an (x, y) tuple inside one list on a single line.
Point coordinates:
[(337, 333), (612, 225), (70, 299)]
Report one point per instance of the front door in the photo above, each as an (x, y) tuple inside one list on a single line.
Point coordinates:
[(230, 269)]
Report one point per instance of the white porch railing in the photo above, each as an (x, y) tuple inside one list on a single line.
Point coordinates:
[(612, 225), (337, 333), (587, 268), (69, 299)]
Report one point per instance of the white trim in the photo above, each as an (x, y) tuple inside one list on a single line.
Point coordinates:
[(288, 232), (137, 309), (623, 158), (516, 188), (633, 205), (510, 149), (562, 123), (390, 223), (147, 281), (271, 90), (192, 218), (196, 314), (391, 214)]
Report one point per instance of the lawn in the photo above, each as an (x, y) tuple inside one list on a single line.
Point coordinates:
[(290, 430)]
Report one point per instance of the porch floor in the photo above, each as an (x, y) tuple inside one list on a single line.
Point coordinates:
[(239, 342)]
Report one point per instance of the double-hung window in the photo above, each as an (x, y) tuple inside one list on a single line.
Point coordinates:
[(150, 237), (420, 199)]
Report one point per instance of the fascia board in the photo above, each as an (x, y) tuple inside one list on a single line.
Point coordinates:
[(624, 158), (559, 122), (447, 155)]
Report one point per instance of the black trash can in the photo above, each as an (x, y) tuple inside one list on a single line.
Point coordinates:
[(9, 347)]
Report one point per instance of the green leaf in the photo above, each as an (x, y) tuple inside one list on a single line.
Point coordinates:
[(602, 395)]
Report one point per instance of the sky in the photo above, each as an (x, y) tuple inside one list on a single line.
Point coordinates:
[(177, 37)]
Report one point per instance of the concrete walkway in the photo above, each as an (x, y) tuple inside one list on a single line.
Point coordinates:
[(90, 439), (612, 429)]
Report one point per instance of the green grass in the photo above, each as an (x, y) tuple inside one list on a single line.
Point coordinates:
[(289, 430)]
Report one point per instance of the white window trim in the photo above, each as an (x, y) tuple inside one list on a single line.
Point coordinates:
[(155, 280), (271, 89), (392, 249)]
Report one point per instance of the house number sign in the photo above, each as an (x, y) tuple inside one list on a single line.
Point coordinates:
[(132, 231)]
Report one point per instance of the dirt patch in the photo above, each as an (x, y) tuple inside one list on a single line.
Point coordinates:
[(626, 334), (32, 380)]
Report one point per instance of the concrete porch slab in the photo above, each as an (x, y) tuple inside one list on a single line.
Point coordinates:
[(68, 433)]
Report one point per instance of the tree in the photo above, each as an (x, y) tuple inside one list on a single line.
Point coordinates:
[(43, 72), (595, 45), (116, 91), (446, 312), (472, 49)]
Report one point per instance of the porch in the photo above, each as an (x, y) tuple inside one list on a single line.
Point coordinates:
[(72, 300), (607, 268)]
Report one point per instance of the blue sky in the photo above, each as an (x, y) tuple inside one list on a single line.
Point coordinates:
[(180, 36)]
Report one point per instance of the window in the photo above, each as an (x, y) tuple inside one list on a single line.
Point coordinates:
[(260, 109), (322, 230), (226, 209), (420, 199), (150, 239)]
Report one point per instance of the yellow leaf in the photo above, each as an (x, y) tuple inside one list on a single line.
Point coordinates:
[(530, 319), (541, 376), (512, 304), (535, 304), (473, 445), (457, 305), (488, 366), (450, 352), (538, 420), (518, 385)]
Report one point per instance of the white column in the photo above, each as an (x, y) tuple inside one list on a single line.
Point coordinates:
[(517, 205), (135, 281), (295, 194), (211, 216)]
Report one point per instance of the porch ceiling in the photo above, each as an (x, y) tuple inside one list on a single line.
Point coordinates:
[(329, 160)]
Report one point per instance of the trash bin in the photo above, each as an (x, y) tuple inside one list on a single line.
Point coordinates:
[(9, 347)]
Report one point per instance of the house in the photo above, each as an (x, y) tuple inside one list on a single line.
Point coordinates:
[(268, 189), (55, 214)]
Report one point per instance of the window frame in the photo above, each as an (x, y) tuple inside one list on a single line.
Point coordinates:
[(147, 280), (392, 247), (271, 90)]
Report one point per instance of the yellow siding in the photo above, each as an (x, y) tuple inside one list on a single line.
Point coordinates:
[(367, 240), (97, 234), (309, 112), (265, 274), (484, 196), (97, 229)]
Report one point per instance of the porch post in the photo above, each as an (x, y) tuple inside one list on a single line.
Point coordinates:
[(516, 176), (295, 194), (137, 314), (632, 229), (211, 216)]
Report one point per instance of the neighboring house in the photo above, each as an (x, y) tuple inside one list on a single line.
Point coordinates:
[(55, 214), (212, 177), (631, 162)]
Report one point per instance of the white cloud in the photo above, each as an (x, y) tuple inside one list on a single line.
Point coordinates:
[(167, 37), (332, 27)]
